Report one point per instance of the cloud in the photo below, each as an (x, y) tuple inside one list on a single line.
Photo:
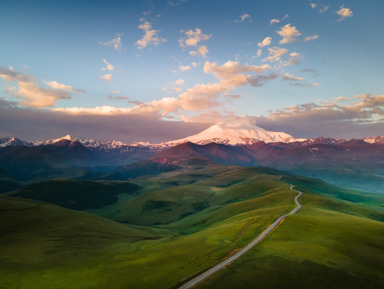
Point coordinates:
[(294, 58), (115, 96), (231, 68), (267, 41), (244, 17), (107, 77), (305, 84), (10, 74), (273, 21), (39, 124), (290, 77), (259, 51), (115, 43), (313, 5), (344, 13), (178, 82), (35, 96), (231, 75), (275, 54), (109, 66), (30, 93), (193, 38), (313, 72), (309, 38), (183, 68), (176, 2), (58, 86), (289, 34), (363, 117), (202, 51), (201, 97), (150, 35), (324, 8)]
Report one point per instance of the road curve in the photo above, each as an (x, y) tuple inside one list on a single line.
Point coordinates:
[(234, 257)]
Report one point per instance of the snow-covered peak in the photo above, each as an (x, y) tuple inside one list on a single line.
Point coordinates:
[(68, 137), (376, 139), (235, 133)]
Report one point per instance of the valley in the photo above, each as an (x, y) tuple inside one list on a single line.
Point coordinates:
[(183, 222)]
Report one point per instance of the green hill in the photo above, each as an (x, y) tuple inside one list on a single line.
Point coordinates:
[(183, 222), (77, 194)]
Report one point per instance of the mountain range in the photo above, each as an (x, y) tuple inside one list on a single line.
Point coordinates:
[(228, 133), (356, 163)]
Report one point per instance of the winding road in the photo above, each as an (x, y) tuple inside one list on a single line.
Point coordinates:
[(234, 257)]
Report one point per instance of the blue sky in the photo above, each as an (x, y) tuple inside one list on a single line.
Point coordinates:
[(158, 70)]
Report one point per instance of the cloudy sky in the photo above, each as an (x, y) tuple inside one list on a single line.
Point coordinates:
[(161, 70)]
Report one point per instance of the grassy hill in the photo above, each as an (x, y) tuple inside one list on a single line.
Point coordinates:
[(77, 194), (185, 221)]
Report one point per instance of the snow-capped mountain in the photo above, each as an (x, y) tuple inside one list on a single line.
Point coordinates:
[(238, 132), (90, 143), (12, 141), (235, 133), (376, 139)]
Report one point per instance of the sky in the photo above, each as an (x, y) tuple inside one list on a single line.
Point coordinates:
[(162, 70)]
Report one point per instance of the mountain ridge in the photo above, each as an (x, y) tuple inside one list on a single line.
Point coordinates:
[(228, 133)]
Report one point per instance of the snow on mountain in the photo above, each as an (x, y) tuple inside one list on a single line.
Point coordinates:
[(322, 140), (376, 139), (90, 143), (235, 133)]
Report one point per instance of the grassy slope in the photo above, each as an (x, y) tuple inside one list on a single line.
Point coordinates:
[(329, 243), (77, 194), (188, 245), (241, 203), (45, 246)]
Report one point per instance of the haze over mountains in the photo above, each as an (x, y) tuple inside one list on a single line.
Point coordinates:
[(356, 163), (240, 132)]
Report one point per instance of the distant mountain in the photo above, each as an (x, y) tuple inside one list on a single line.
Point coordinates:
[(235, 133), (12, 141)]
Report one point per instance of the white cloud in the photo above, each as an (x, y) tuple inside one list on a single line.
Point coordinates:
[(309, 38), (177, 89), (201, 51), (289, 34), (150, 35), (194, 64), (273, 21), (290, 77), (115, 43), (109, 66), (313, 5), (107, 77), (267, 41), (244, 17), (193, 38), (275, 54), (183, 68), (58, 86), (258, 54), (178, 82), (344, 13)]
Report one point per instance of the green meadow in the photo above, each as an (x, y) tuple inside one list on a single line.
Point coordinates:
[(181, 223)]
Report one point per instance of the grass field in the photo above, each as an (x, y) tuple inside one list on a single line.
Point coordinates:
[(185, 222)]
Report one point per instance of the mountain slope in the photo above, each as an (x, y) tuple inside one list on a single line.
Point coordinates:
[(235, 133)]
